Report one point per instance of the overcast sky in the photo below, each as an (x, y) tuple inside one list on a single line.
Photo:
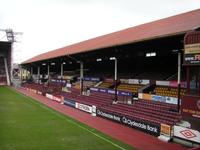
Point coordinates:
[(51, 24)]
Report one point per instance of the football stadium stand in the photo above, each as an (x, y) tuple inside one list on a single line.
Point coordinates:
[(136, 79)]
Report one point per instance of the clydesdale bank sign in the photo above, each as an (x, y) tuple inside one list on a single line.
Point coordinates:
[(138, 124)]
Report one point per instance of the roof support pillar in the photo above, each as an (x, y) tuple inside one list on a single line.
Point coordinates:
[(179, 79), (61, 70), (115, 79), (48, 68), (81, 77), (31, 71), (38, 74)]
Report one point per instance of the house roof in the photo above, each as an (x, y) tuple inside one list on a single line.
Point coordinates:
[(174, 25)]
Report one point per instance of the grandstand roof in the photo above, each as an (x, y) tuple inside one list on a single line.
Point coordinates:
[(175, 25)]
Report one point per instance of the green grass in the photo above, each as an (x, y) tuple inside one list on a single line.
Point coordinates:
[(28, 125)]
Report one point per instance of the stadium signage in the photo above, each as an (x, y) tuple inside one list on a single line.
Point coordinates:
[(165, 130), (138, 81), (39, 92), (103, 90), (94, 110), (141, 125), (144, 126), (70, 103), (187, 134), (171, 83), (159, 98), (175, 84), (95, 79), (192, 53), (84, 107), (111, 92), (49, 96), (121, 93), (124, 93), (109, 115), (90, 79), (94, 89), (68, 85), (57, 98), (192, 48), (58, 80)]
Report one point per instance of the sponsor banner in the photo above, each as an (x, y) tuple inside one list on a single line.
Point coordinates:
[(138, 81), (190, 106), (64, 89), (165, 130), (70, 103), (68, 85), (192, 53), (192, 59), (53, 80), (175, 84), (134, 123), (68, 77), (172, 100), (146, 96), (122, 93), (103, 90), (86, 79), (110, 116), (109, 80), (141, 125), (192, 48), (140, 95), (58, 81), (158, 98), (111, 91), (49, 96), (94, 79), (126, 81), (163, 99), (84, 107), (94, 110), (94, 89), (57, 98), (132, 81), (162, 83), (187, 134), (39, 92)]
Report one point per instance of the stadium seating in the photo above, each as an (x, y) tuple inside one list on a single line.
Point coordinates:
[(129, 87), (97, 99), (153, 113), (149, 111), (168, 91), (54, 88), (105, 85), (85, 84)]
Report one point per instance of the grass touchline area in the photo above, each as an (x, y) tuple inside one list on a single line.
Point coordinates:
[(28, 124)]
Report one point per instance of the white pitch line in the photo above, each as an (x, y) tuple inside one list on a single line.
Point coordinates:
[(72, 122)]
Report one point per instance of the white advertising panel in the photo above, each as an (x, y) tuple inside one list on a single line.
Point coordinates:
[(84, 107), (186, 133)]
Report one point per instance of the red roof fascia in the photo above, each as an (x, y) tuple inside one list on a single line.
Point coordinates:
[(174, 25)]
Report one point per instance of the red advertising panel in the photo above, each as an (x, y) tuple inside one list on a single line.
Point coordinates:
[(190, 106)]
